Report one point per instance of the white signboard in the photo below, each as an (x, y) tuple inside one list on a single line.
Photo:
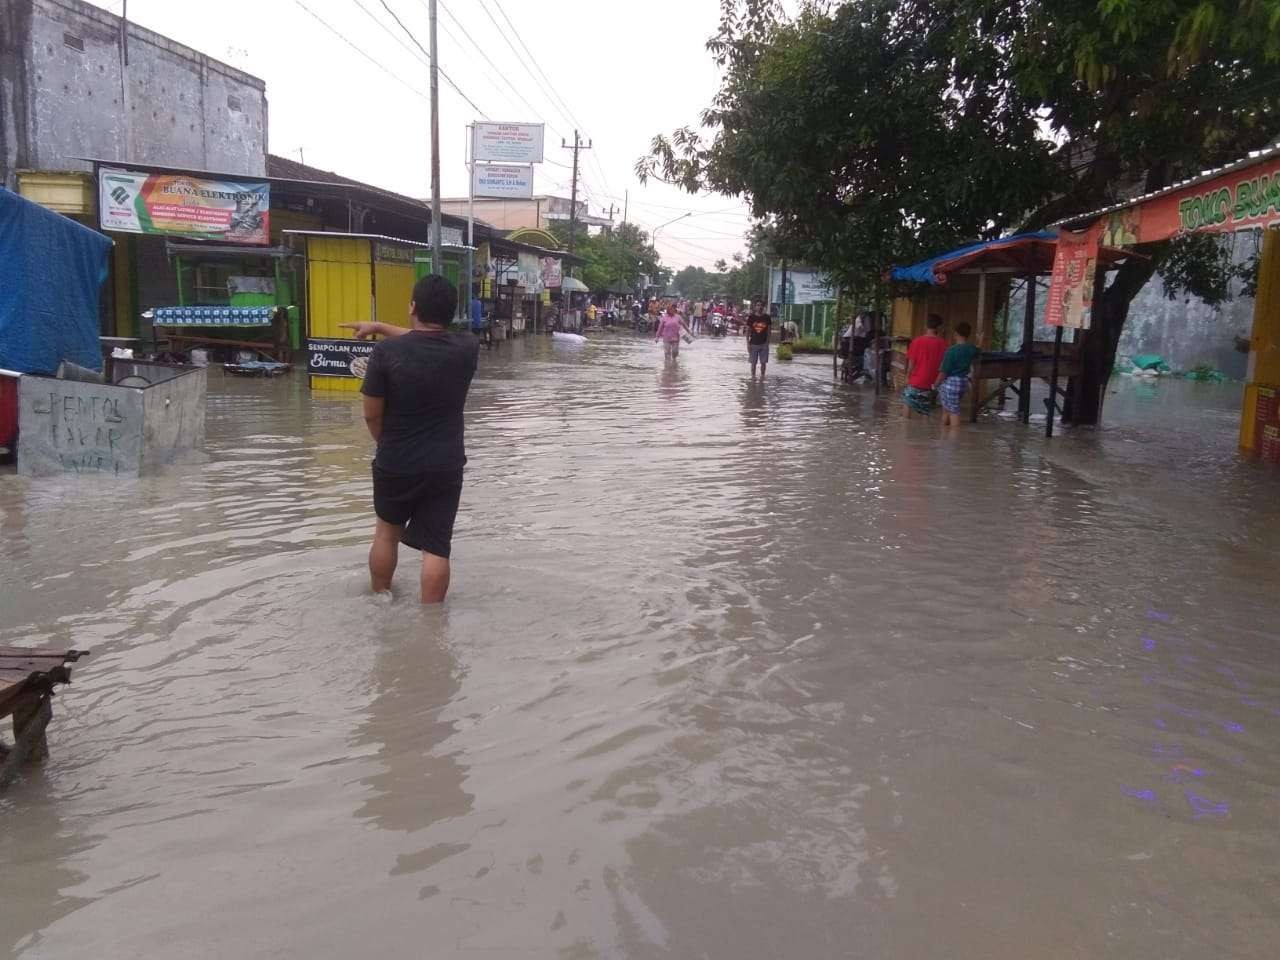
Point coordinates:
[(803, 286), (504, 180), (507, 142)]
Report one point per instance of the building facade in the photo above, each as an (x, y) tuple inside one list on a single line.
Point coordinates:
[(536, 213), (78, 82)]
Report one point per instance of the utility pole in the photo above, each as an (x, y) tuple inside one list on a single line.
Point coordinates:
[(573, 197), (437, 263), (626, 201)]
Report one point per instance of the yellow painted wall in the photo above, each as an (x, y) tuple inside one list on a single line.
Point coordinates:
[(66, 191), (393, 289), (1264, 346), (339, 290)]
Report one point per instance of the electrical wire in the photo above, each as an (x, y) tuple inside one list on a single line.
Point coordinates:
[(359, 50), (551, 96), (496, 69), (449, 80)]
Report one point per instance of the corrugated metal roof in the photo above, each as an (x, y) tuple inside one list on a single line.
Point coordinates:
[(1255, 156)]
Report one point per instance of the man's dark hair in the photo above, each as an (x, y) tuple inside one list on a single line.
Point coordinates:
[(434, 300), (934, 322), (964, 329)]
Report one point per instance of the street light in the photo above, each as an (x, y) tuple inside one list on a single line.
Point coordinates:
[(667, 224), (654, 238)]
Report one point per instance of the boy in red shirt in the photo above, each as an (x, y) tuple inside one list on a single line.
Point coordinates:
[(924, 360)]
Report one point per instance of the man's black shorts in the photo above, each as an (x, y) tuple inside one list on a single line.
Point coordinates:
[(425, 505)]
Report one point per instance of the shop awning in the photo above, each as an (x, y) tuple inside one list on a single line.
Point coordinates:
[(573, 285), (1021, 254)]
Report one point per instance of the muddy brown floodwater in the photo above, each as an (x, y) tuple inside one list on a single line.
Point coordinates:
[(728, 671)]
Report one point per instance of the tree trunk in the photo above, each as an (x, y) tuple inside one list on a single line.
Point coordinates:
[(1098, 351)]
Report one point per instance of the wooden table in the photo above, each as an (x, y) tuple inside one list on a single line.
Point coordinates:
[(27, 679), (1015, 371)]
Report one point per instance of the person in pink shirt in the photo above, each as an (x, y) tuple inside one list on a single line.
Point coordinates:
[(670, 327)]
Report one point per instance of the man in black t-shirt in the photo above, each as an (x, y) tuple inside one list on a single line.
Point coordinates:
[(759, 324), (414, 390)]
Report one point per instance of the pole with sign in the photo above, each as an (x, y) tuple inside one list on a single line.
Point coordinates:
[(471, 220), (437, 263), (500, 167)]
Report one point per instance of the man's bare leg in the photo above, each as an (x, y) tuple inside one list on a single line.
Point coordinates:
[(383, 554), (435, 577)]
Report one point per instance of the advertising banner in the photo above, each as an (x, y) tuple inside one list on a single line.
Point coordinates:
[(503, 180), (1241, 200), (529, 273), (507, 142), (1071, 285), (552, 272), (338, 358), (184, 206), (803, 287)]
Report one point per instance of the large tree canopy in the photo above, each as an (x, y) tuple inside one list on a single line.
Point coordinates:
[(876, 131)]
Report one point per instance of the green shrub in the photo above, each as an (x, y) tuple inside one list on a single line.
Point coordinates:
[(811, 345), (784, 351)]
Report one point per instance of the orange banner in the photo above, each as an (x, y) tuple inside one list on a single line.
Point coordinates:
[(1071, 288), (1244, 199)]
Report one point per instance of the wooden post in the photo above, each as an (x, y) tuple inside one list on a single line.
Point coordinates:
[(979, 329), (1028, 339), (29, 723), (1053, 382), (835, 340)]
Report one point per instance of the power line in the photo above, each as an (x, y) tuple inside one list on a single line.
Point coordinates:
[(551, 95), (447, 78), (336, 33), (594, 158), (496, 68), (568, 114)]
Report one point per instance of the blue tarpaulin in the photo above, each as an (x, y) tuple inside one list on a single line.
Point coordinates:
[(51, 269), (934, 269)]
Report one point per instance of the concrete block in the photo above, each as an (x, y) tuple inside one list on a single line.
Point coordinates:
[(152, 415)]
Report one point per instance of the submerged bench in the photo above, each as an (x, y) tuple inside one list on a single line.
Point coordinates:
[(27, 679)]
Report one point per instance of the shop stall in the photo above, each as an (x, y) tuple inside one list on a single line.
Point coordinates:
[(1241, 196), (231, 297), (357, 278), (973, 283)]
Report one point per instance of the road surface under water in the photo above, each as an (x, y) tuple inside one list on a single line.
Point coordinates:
[(728, 670)]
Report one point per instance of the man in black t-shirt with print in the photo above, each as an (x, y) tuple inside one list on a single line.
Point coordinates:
[(414, 390), (759, 324)]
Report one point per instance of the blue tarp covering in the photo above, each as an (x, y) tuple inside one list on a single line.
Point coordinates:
[(925, 272), (51, 269)]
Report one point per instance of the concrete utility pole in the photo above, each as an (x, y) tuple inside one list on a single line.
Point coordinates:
[(437, 263), (573, 194)]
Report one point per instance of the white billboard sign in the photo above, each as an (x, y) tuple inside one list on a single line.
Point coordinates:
[(803, 287), (504, 180), (507, 142)]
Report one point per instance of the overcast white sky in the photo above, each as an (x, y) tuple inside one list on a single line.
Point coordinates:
[(624, 71)]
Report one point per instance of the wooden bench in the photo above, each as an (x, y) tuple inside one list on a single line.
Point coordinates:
[(27, 679)]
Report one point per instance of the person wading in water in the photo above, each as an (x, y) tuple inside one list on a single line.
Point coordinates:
[(414, 390)]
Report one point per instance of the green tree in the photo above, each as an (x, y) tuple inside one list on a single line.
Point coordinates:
[(614, 258), (875, 132)]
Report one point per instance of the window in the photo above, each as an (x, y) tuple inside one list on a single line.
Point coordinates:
[(72, 41), (233, 103)]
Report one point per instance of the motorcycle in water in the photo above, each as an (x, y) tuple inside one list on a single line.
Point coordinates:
[(717, 327)]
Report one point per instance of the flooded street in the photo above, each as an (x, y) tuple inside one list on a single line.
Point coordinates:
[(727, 670)]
